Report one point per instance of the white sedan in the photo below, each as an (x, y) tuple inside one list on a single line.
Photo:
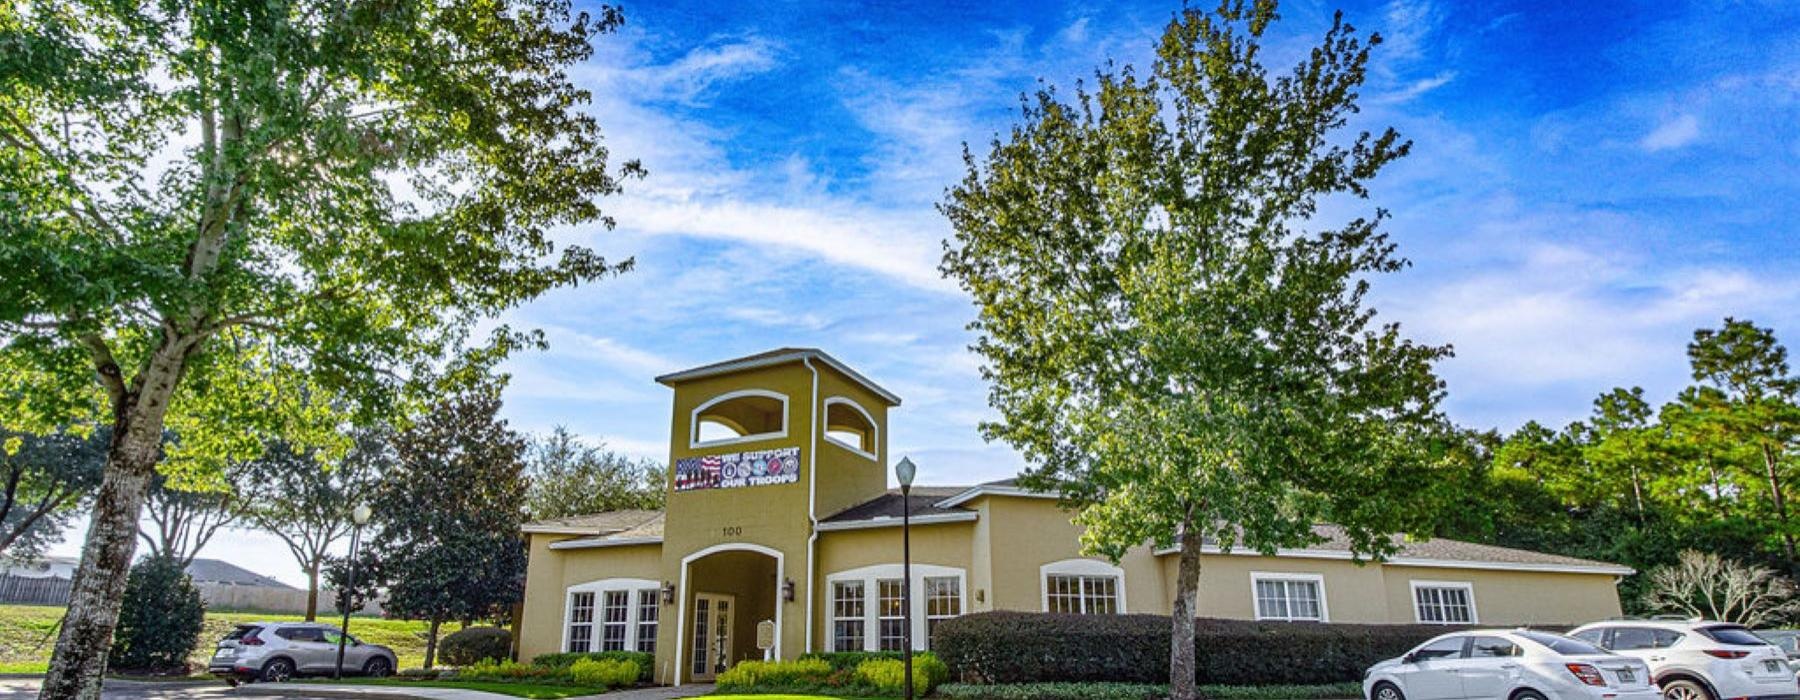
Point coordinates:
[(1509, 665)]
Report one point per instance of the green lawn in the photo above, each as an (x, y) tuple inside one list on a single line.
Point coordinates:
[(518, 690), (27, 633)]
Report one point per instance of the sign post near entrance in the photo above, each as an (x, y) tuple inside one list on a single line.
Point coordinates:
[(765, 638)]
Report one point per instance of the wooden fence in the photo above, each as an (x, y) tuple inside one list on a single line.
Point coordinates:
[(49, 590)]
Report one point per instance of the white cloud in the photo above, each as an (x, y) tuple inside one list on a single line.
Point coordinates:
[(1416, 88), (1675, 133)]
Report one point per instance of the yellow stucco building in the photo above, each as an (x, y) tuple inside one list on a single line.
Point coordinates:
[(778, 512)]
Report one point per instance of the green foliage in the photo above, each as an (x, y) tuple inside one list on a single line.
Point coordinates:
[(1638, 484), (1012, 647), (471, 644), (562, 660), (449, 514), (210, 212), (605, 673), (508, 670), (849, 660), (746, 676), (1143, 691), (1174, 340), (294, 494), (888, 676), (568, 478), (46, 478), (159, 619)]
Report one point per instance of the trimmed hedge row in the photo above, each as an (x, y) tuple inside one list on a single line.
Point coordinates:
[(646, 662), (1013, 647), (1139, 691)]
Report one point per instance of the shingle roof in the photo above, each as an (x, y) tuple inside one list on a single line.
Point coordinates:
[(1426, 552), (608, 523), (226, 573), (924, 500)]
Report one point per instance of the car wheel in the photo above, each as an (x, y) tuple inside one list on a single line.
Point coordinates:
[(1386, 691), (1685, 690), (231, 681), (278, 671), (378, 667), (1528, 694)]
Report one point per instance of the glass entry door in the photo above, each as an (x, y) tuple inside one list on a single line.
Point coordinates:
[(710, 649)]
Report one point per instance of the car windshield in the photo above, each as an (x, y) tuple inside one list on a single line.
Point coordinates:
[(1563, 645), (1733, 634)]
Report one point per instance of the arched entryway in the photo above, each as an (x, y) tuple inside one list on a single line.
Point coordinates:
[(726, 590)]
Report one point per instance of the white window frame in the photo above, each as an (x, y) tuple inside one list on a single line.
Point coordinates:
[(874, 428), (1318, 580), (593, 608), (1467, 587), (694, 440), (631, 587), (1080, 567), (831, 602), (870, 575), (925, 603)]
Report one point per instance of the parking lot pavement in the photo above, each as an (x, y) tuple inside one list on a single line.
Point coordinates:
[(27, 688)]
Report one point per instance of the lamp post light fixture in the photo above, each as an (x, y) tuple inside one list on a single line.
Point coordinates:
[(359, 516), (905, 471)]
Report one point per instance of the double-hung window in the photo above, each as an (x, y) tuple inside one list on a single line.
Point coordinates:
[(891, 606), (648, 611), (617, 616), (943, 600), (1444, 602), (581, 622), (1289, 596), (847, 616)]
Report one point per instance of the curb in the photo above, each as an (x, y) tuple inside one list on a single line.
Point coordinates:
[(383, 692)]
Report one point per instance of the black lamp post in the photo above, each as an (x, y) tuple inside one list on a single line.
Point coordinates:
[(359, 516), (905, 471)]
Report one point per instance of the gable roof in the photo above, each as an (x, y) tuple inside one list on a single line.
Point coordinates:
[(229, 574), (778, 356), (886, 509), (611, 522)]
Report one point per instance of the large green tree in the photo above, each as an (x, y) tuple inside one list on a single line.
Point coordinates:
[(568, 477), (1758, 403), (449, 514), (207, 207), (43, 481), (1173, 340), (307, 504)]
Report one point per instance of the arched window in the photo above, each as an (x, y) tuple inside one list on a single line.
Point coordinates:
[(849, 426), (739, 416)]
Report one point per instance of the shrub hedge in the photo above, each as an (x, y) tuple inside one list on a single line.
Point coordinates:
[(646, 662), (877, 675), (1143, 691), (160, 618), (1013, 647), (466, 646), (849, 660), (605, 673)]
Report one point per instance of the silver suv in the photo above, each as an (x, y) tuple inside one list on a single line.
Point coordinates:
[(279, 651), (1699, 660)]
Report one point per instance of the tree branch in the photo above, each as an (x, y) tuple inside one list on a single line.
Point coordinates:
[(86, 209), (107, 367)]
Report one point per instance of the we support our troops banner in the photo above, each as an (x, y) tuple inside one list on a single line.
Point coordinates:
[(730, 471)]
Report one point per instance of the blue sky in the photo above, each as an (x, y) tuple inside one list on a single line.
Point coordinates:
[(1589, 183)]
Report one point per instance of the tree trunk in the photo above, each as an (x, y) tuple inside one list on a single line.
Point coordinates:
[(431, 642), (79, 661), (1787, 535), (312, 591), (1183, 683)]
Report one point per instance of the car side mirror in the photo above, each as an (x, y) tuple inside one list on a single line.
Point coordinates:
[(1411, 658)]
